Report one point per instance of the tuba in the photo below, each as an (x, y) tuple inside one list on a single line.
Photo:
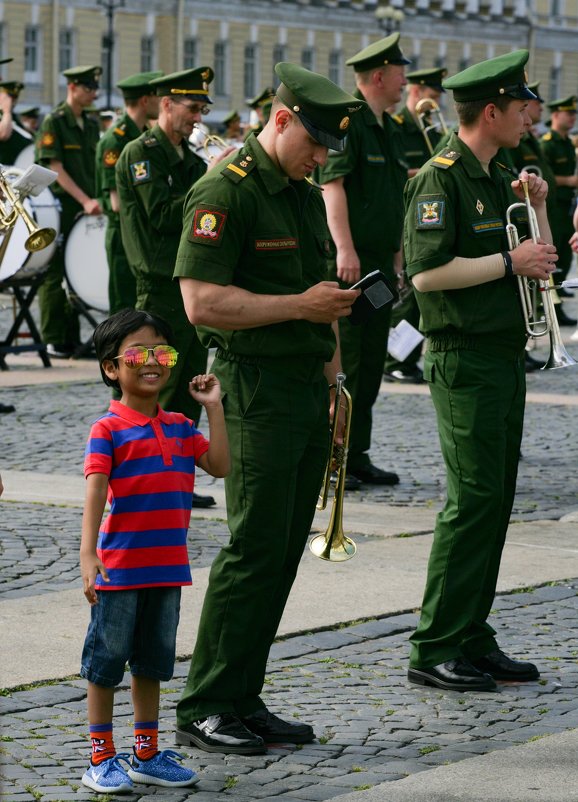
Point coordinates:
[(11, 208), (334, 545), (424, 109), (532, 291)]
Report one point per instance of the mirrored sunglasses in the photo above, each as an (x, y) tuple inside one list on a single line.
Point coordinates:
[(137, 355)]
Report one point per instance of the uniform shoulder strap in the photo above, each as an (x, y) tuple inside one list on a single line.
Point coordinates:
[(446, 159), (239, 167)]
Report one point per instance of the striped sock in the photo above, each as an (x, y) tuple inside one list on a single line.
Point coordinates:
[(146, 739), (102, 743)]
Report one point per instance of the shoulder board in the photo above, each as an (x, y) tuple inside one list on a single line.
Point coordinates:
[(505, 167), (446, 159), (239, 168), (58, 113), (120, 130), (150, 141), (397, 118), (547, 137)]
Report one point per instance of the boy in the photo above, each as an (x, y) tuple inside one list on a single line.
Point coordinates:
[(134, 564)]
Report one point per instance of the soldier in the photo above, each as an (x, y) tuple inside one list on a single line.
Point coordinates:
[(66, 143), (233, 133), (559, 152), (30, 118), (419, 146), (153, 175), (14, 137), (363, 193), (458, 259), (252, 266), (261, 106), (142, 103)]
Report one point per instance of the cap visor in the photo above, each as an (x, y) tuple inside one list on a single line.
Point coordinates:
[(523, 93), (321, 136)]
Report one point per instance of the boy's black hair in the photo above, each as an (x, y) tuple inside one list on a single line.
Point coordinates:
[(109, 334)]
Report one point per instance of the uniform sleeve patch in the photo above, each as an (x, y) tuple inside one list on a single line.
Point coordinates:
[(208, 226), (47, 140), (110, 157), (430, 212), (140, 172)]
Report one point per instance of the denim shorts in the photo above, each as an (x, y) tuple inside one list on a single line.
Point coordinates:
[(138, 627)]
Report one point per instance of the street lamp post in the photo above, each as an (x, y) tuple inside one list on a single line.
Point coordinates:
[(389, 19), (109, 6)]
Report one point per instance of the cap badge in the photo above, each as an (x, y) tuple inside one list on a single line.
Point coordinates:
[(344, 123), (480, 207), (296, 108), (205, 75)]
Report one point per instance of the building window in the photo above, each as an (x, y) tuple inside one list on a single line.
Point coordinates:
[(279, 54), (32, 56), (66, 58), (220, 62), (250, 71), (308, 58), (555, 80), (147, 54), (335, 69), (189, 54), (2, 40)]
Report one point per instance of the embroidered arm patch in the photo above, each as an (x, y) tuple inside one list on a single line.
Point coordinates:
[(430, 211), (140, 172), (208, 225)]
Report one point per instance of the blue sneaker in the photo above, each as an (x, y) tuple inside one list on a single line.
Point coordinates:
[(109, 777), (162, 769)]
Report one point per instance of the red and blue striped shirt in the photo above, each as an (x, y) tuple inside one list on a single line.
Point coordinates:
[(150, 464)]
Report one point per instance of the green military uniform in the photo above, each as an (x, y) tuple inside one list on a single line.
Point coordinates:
[(560, 154), (374, 172), (474, 364), (20, 138), (152, 182), (121, 281), (417, 142), (72, 142), (247, 224)]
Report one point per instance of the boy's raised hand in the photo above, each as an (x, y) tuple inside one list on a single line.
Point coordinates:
[(205, 389)]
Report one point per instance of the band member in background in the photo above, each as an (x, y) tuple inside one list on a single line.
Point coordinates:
[(261, 108), (66, 142), (464, 275), (14, 137)]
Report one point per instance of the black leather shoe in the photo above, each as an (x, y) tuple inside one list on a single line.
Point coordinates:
[(6, 408), (372, 475), (533, 364), (405, 376), (455, 675), (223, 732), (563, 318), (273, 729), (201, 502), (499, 666)]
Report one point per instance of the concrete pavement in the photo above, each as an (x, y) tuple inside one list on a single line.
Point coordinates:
[(341, 657)]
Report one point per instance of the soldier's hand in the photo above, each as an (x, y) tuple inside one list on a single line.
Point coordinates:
[(220, 156), (574, 242), (325, 302), (537, 188), (534, 259), (348, 266), (91, 206)]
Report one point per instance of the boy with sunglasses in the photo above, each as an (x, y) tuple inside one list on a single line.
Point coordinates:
[(134, 564)]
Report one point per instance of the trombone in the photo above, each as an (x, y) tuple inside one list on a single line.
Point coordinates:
[(10, 210), (425, 109), (531, 290), (334, 545)]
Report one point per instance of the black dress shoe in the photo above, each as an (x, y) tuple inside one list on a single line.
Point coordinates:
[(351, 482), (562, 318), (372, 475), (6, 408), (404, 375), (532, 364), (273, 729), (499, 666), (201, 502), (223, 732), (455, 675)]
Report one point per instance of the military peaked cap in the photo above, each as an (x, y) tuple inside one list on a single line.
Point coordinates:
[(384, 51), (84, 75), (533, 87), (502, 75), (231, 117), (12, 88), (563, 104), (432, 78), (187, 83), (138, 85), (262, 99)]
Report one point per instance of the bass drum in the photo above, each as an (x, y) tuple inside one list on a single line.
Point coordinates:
[(25, 158), (44, 210), (85, 261)]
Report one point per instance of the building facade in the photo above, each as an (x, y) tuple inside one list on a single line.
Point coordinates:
[(243, 39)]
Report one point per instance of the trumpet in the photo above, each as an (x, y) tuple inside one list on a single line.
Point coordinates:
[(12, 209), (424, 109), (215, 142), (531, 291), (334, 545)]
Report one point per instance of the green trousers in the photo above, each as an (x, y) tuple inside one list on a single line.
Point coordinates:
[(277, 422), (162, 297), (121, 281), (479, 402)]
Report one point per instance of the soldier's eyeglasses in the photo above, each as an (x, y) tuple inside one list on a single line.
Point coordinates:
[(194, 108), (137, 355)]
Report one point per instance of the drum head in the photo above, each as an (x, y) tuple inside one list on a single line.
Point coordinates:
[(16, 255), (25, 158), (85, 261), (46, 212)]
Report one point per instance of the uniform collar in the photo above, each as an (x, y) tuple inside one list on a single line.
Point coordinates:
[(470, 162), (69, 115), (168, 146), (134, 417), (271, 176)]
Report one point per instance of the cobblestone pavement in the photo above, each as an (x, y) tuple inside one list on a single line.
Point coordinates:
[(372, 726)]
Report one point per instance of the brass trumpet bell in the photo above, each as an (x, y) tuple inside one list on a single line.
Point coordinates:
[(40, 238)]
